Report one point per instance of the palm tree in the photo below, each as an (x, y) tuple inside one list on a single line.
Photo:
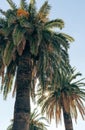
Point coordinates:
[(29, 50), (67, 96), (35, 122)]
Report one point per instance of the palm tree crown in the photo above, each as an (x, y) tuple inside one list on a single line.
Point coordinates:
[(67, 96), (25, 28)]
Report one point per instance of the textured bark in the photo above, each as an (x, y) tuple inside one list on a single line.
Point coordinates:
[(22, 103), (67, 120)]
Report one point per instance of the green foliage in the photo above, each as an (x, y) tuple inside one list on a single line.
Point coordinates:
[(12, 4), (67, 95), (36, 121), (55, 23), (11, 17), (2, 12), (18, 35), (8, 78), (32, 9), (23, 5), (26, 25), (69, 38), (7, 57), (25, 28), (44, 11)]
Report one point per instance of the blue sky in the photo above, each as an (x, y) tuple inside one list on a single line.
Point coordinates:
[(72, 12)]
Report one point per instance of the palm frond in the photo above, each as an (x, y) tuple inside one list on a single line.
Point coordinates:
[(61, 39), (11, 17), (7, 85), (8, 79), (2, 12), (81, 108), (41, 68), (23, 5), (12, 4), (69, 38), (2, 21), (32, 9), (79, 82), (26, 25), (44, 11), (18, 35), (8, 54), (55, 23)]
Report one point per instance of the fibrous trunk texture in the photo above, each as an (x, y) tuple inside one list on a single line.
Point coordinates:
[(67, 121), (22, 103)]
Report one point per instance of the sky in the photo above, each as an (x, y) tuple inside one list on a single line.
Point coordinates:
[(72, 12)]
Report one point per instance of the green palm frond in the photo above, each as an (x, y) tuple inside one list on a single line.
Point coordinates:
[(44, 11), (42, 65), (2, 12), (36, 121), (18, 35), (12, 4), (32, 9), (53, 55), (72, 76), (7, 57), (23, 5), (6, 88), (44, 8), (2, 22), (69, 38), (34, 47), (61, 39), (8, 78), (11, 17), (55, 23), (56, 39), (24, 23)]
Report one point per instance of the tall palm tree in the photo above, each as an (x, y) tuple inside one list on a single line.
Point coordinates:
[(30, 50), (66, 97), (36, 121)]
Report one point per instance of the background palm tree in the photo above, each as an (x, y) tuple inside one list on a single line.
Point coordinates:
[(36, 121), (68, 96), (30, 50)]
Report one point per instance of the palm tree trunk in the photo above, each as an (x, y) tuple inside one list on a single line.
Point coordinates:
[(22, 103), (67, 120)]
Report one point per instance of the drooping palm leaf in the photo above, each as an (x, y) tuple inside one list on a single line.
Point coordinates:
[(55, 23), (8, 53)]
